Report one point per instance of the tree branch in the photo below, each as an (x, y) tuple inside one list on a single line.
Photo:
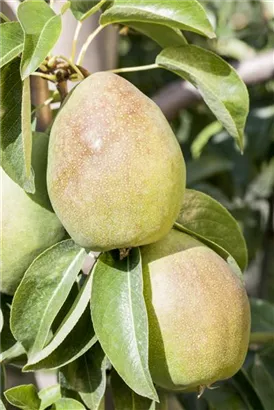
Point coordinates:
[(179, 94), (39, 94)]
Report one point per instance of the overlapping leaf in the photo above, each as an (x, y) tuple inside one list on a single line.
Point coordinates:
[(120, 318), (210, 222), (13, 44), (42, 292), (219, 84), (164, 36), (183, 15), (41, 28), (23, 397), (83, 9), (87, 376), (72, 339), (125, 398)]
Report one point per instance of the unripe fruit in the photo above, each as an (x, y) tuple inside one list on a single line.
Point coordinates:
[(198, 312), (28, 223), (116, 174)]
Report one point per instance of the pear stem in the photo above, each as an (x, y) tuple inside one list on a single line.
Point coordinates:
[(132, 69), (49, 77), (74, 41), (87, 43)]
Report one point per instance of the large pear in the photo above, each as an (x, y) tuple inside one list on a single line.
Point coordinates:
[(198, 312), (116, 174), (28, 223)]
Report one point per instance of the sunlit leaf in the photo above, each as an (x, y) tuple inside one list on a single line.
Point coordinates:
[(23, 397), (42, 292), (13, 44), (183, 15), (41, 28), (120, 318), (219, 84), (210, 222)]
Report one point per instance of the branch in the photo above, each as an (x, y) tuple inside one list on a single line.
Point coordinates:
[(179, 94), (39, 94)]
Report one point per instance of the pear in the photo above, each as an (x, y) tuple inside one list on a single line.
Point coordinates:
[(116, 174), (198, 312), (29, 225)]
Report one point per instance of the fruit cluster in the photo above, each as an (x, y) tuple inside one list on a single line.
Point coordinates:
[(116, 180)]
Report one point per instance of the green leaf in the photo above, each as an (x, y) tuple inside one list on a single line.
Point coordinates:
[(206, 167), (183, 15), (2, 406), (26, 127), (225, 398), (263, 382), (12, 148), (49, 395), (247, 390), (41, 28), (125, 398), (82, 9), (23, 397), (120, 319), (205, 218), (3, 18), (162, 35), (203, 137), (13, 44), (73, 338), (42, 292), (2, 381), (68, 404), (13, 352), (7, 340), (262, 321), (87, 376), (219, 84)]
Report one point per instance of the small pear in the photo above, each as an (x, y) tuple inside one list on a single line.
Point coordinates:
[(29, 225), (116, 174), (198, 312)]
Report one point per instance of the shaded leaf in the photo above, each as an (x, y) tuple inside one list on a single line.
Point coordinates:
[(49, 395), (219, 84), (7, 340), (41, 28), (210, 222), (82, 9), (162, 35), (12, 352), (120, 318), (203, 137), (184, 15), (72, 339), (263, 382), (13, 44), (262, 315), (42, 292), (23, 397), (225, 398), (2, 379), (68, 404), (87, 376), (206, 167), (12, 148), (247, 390), (26, 128), (125, 398)]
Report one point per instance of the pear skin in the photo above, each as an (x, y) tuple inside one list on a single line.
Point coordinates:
[(116, 173), (198, 312)]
